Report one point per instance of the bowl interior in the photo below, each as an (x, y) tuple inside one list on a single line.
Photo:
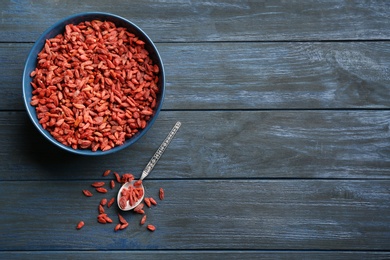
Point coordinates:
[(59, 28)]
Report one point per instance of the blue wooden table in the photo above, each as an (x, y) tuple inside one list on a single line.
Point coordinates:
[(283, 153)]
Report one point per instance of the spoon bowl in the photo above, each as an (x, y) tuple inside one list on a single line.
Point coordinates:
[(127, 206), (137, 188)]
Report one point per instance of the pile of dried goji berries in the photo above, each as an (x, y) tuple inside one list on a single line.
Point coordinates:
[(103, 217), (95, 86)]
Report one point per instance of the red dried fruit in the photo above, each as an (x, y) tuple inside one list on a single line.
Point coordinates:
[(112, 200), (80, 225), (139, 207), (151, 227), (67, 80), (143, 220), (117, 177), (106, 173), (137, 183), (153, 201), (101, 220), (139, 211), (123, 226), (127, 177), (131, 195), (97, 184), (101, 190), (117, 227), (161, 194), (103, 202), (101, 209), (122, 202), (122, 220), (108, 219), (87, 193), (147, 202)]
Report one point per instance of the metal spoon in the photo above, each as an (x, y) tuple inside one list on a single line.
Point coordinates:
[(148, 168)]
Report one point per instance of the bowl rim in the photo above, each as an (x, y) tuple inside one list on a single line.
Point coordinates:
[(52, 31)]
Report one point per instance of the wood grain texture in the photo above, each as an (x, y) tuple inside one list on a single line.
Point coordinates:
[(199, 254), (218, 144), (229, 20), (261, 214), (252, 75), (283, 153), (278, 75)]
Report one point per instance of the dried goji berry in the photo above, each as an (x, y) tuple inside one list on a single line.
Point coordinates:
[(101, 209), (122, 220), (117, 177), (87, 193), (117, 227), (109, 204), (108, 219), (147, 202), (101, 220), (161, 193), (139, 207), (153, 201), (104, 61), (151, 227), (137, 183), (143, 220), (80, 225), (97, 184), (101, 190), (139, 211), (123, 226), (127, 177), (122, 202)]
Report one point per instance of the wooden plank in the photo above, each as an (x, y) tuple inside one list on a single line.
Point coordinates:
[(213, 20), (252, 75), (278, 75), (197, 254), (195, 215), (12, 59), (218, 144)]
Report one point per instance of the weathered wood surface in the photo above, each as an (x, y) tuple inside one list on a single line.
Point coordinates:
[(252, 75), (203, 214), (229, 20), (219, 144), (284, 151), (197, 254)]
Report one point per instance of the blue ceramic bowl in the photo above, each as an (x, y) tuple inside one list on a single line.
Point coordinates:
[(59, 28)]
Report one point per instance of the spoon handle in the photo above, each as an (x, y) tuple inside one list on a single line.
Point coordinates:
[(149, 167)]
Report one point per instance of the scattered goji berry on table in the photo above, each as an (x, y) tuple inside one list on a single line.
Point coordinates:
[(80, 225)]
